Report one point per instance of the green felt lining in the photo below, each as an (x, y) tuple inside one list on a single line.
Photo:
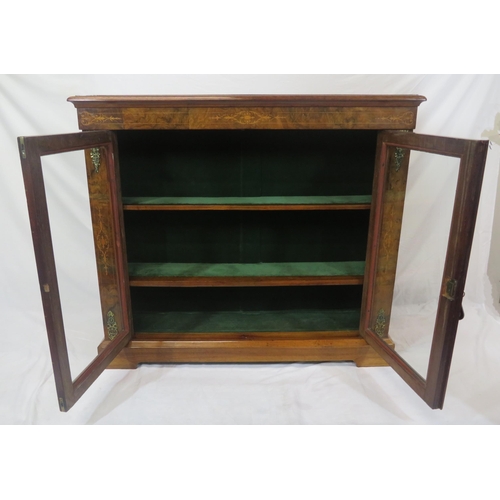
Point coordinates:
[(248, 270), (246, 309), (250, 200), (241, 321)]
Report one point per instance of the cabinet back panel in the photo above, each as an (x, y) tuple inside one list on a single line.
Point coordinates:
[(158, 299), (225, 163), (246, 237)]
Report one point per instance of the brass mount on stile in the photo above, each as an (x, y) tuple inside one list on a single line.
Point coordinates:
[(95, 155)]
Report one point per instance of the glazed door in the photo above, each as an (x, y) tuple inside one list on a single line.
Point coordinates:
[(425, 200), (97, 168)]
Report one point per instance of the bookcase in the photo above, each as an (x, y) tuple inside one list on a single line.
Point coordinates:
[(247, 229)]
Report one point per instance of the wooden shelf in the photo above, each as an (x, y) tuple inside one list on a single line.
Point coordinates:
[(360, 202), (233, 274), (195, 322)]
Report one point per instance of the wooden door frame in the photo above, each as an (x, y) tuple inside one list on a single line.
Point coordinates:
[(472, 155), (31, 150)]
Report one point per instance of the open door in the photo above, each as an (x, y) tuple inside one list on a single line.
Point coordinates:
[(99, 158), (434, 288)]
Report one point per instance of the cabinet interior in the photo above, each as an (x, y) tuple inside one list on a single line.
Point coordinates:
[(233, 231)]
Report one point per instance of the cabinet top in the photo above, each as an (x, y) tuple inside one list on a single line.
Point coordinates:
[(154, 101)]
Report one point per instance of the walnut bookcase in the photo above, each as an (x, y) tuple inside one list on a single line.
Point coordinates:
[(247, 229)]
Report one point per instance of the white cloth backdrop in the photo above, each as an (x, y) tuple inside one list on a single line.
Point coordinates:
[(318, 393)]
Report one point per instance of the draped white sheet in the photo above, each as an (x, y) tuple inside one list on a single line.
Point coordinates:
[(323, 393)]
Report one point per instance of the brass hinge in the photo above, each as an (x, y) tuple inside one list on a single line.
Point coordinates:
[(22, 148), (95, 155), (450, 289)]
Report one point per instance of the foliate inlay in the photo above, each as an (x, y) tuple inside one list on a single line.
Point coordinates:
[(95, 155), (102, 242), (87, 118), (111, 326), (380, 323), (246, 117), (403, 117)]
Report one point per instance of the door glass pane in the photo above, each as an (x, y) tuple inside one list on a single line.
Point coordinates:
[(428, 206), (65, 179)]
